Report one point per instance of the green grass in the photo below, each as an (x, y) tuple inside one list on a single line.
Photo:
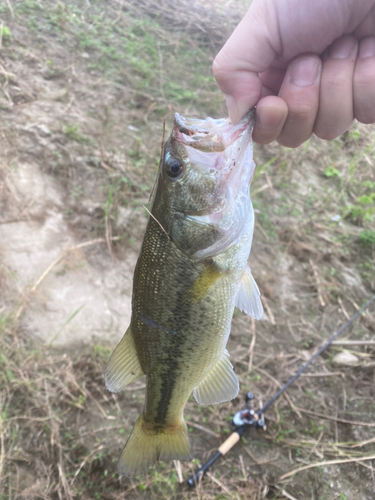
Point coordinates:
[(130, 51), (4, 32), (367, 238), (72, 133)]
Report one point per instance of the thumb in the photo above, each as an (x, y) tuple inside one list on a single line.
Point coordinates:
[(250, 50)]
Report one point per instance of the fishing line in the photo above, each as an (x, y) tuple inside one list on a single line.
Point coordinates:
[(247, 418)]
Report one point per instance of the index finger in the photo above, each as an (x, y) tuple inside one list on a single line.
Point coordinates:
[(246, 53)]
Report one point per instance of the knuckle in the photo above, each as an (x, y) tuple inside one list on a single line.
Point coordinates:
[(364, 93), (336, 83), (219, 70), (299, 124), (301, 113), (364, 76)]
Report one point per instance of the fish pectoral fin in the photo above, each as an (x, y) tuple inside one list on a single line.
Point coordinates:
[(248, 296), (123, 367), (219, 385)]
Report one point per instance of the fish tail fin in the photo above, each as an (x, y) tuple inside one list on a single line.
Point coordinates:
[(147, 445)]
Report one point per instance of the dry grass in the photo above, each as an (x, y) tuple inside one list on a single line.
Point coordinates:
[(61, 432)]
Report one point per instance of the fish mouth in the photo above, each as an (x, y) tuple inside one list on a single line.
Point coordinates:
[(224, 153), (210, 135)]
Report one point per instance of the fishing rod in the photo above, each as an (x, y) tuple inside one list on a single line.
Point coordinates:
[(246, 418)]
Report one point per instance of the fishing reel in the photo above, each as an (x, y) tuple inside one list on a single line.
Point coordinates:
[(247, 416), (241, 421)]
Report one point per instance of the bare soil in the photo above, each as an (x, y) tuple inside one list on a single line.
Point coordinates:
[(84, 89)]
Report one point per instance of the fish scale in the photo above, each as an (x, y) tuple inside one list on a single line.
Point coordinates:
[(188, 318), (191, 272)]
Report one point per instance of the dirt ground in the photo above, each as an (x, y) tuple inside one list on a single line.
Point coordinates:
[(84, 89)]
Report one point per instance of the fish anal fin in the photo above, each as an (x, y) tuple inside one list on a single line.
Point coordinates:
[(123, 367), (220, 383), (248, 296), (145, 446)]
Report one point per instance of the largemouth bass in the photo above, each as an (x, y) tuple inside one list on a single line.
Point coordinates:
[(191, 273)]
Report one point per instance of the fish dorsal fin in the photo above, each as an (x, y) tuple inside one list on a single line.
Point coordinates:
[(220, 383), (123, 367), (248, 296)]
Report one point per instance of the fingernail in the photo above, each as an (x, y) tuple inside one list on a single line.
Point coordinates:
[(342, 48), (305, 71), (367, 47), (233, 111), (269, 118)]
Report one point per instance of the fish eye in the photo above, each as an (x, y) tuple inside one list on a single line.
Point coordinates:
[(174, 167)]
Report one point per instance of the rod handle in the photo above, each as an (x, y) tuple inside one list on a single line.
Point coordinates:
[(224, 448), (229, 443)]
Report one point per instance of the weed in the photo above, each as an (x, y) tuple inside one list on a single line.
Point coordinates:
[(4, 32), (72, 132), (368, 184), (331, 171), (77, 192), (367, 237), (265, 219), (364, 208), (261, 168), (359, 213), (103, 352), (367, 270)]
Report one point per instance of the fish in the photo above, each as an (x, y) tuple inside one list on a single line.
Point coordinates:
[(192, 271)]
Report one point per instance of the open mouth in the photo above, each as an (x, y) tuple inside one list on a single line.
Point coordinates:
[(209, 135), (200, 134), (195, 126)]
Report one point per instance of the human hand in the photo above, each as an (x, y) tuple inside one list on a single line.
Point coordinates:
[(308, 66)]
